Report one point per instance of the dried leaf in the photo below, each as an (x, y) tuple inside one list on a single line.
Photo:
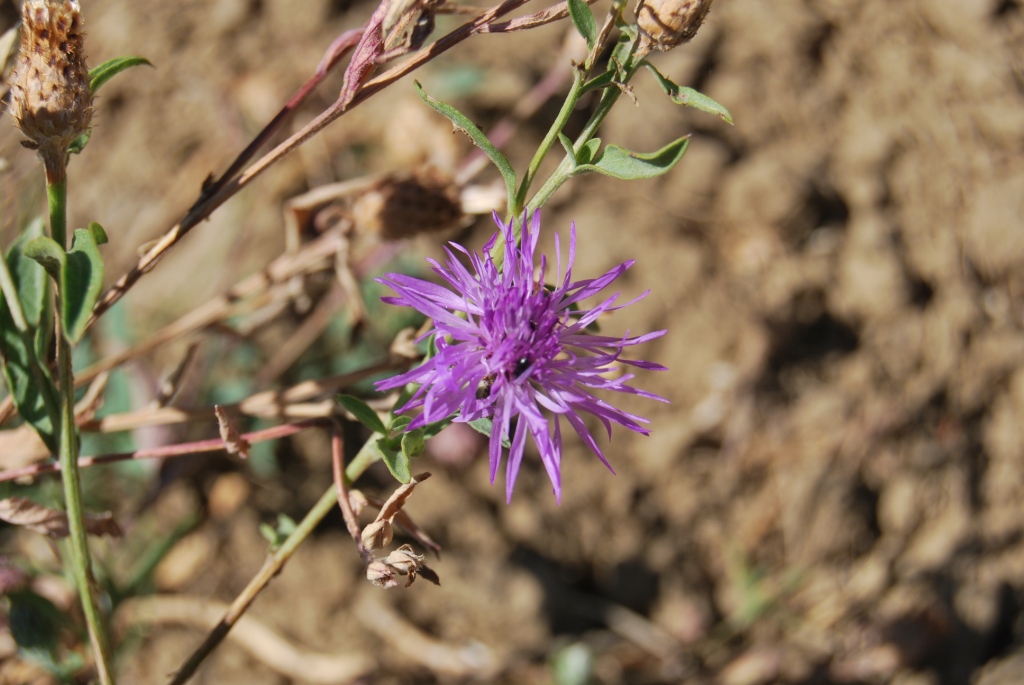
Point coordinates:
[(24, 512), (398, 498), (234, 443)]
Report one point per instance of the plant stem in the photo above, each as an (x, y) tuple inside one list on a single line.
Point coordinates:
[(81, 563), (272, 566)]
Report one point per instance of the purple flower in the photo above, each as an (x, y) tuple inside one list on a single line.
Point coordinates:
[(507, 347)]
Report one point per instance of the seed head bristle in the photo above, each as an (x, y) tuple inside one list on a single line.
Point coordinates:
[(50, 98)]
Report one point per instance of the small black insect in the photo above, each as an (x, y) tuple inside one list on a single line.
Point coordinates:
[(522, 364)]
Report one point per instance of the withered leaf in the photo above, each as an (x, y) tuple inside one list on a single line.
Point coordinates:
[(234, 443), (53, 522)]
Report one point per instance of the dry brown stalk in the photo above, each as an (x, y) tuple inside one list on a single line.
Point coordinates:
[(178, 450)]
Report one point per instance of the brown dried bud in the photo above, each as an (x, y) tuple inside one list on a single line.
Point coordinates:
[(50, 97), (378, 534), (380, 574), (664, 24), (424, 202)]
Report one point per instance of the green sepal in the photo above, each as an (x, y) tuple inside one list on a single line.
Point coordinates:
[(688, 97), (627, 165), (102, 73), (82, 283), (463, 123), (396, 461), (583, 20), (484, 427), (363, 413)]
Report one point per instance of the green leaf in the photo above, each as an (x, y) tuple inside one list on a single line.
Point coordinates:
[(35, 625), (583, 20), (689, 97), (363, 413), (399, 423), (432, 429), (462, 123), (82, 283), (28, 381), (600, 81), (104, 72), (98, 234), (49, 254), (624, 164), (588, 151), (567, 146), (413, 443), (31, 281), (484, 427), (79, 143), (396, 461)]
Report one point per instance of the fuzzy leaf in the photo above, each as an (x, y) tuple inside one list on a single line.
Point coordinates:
[(413, 444), (583, 20), (99, 75), (363, 413), (48, 253), (567, 146), (624, 164), (31, 281), (396, 461), (681, 95), (81, 284), (463, 123)]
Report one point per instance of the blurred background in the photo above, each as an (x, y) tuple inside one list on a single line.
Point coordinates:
[(835, 493)]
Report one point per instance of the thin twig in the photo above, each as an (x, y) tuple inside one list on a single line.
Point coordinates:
[(337, 461), (179, 450)]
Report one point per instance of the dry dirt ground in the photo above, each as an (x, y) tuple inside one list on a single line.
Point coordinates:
[(835, 493)]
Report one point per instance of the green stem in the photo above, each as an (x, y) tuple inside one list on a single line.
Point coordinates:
[(274, 563), (549, 140), (608, 98), (69, 446)]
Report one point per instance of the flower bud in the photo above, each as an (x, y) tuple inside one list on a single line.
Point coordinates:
[(50, 97), (664, 24)]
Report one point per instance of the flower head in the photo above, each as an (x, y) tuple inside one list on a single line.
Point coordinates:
[(509, 347)]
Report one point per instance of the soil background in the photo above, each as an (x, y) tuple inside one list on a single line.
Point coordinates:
[(835, 493)]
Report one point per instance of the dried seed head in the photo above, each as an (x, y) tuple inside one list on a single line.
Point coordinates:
[(378, 534), (424, 202), (664, 24), (50, 97)]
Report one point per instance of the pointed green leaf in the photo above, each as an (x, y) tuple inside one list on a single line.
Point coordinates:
[(47, 252), (79, 143), (567, 146), (463, 123), (81, 285), (104, 72), (621, 163), (689, 97), (484, 427), (363, 413), (396, 461), (600, 81), (583, 20)]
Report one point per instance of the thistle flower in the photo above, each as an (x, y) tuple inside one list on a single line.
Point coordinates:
[(509, 347), (50, 97)]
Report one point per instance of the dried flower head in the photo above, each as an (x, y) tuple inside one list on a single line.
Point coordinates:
[(50, 97), (665, 24), (510, 348)]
